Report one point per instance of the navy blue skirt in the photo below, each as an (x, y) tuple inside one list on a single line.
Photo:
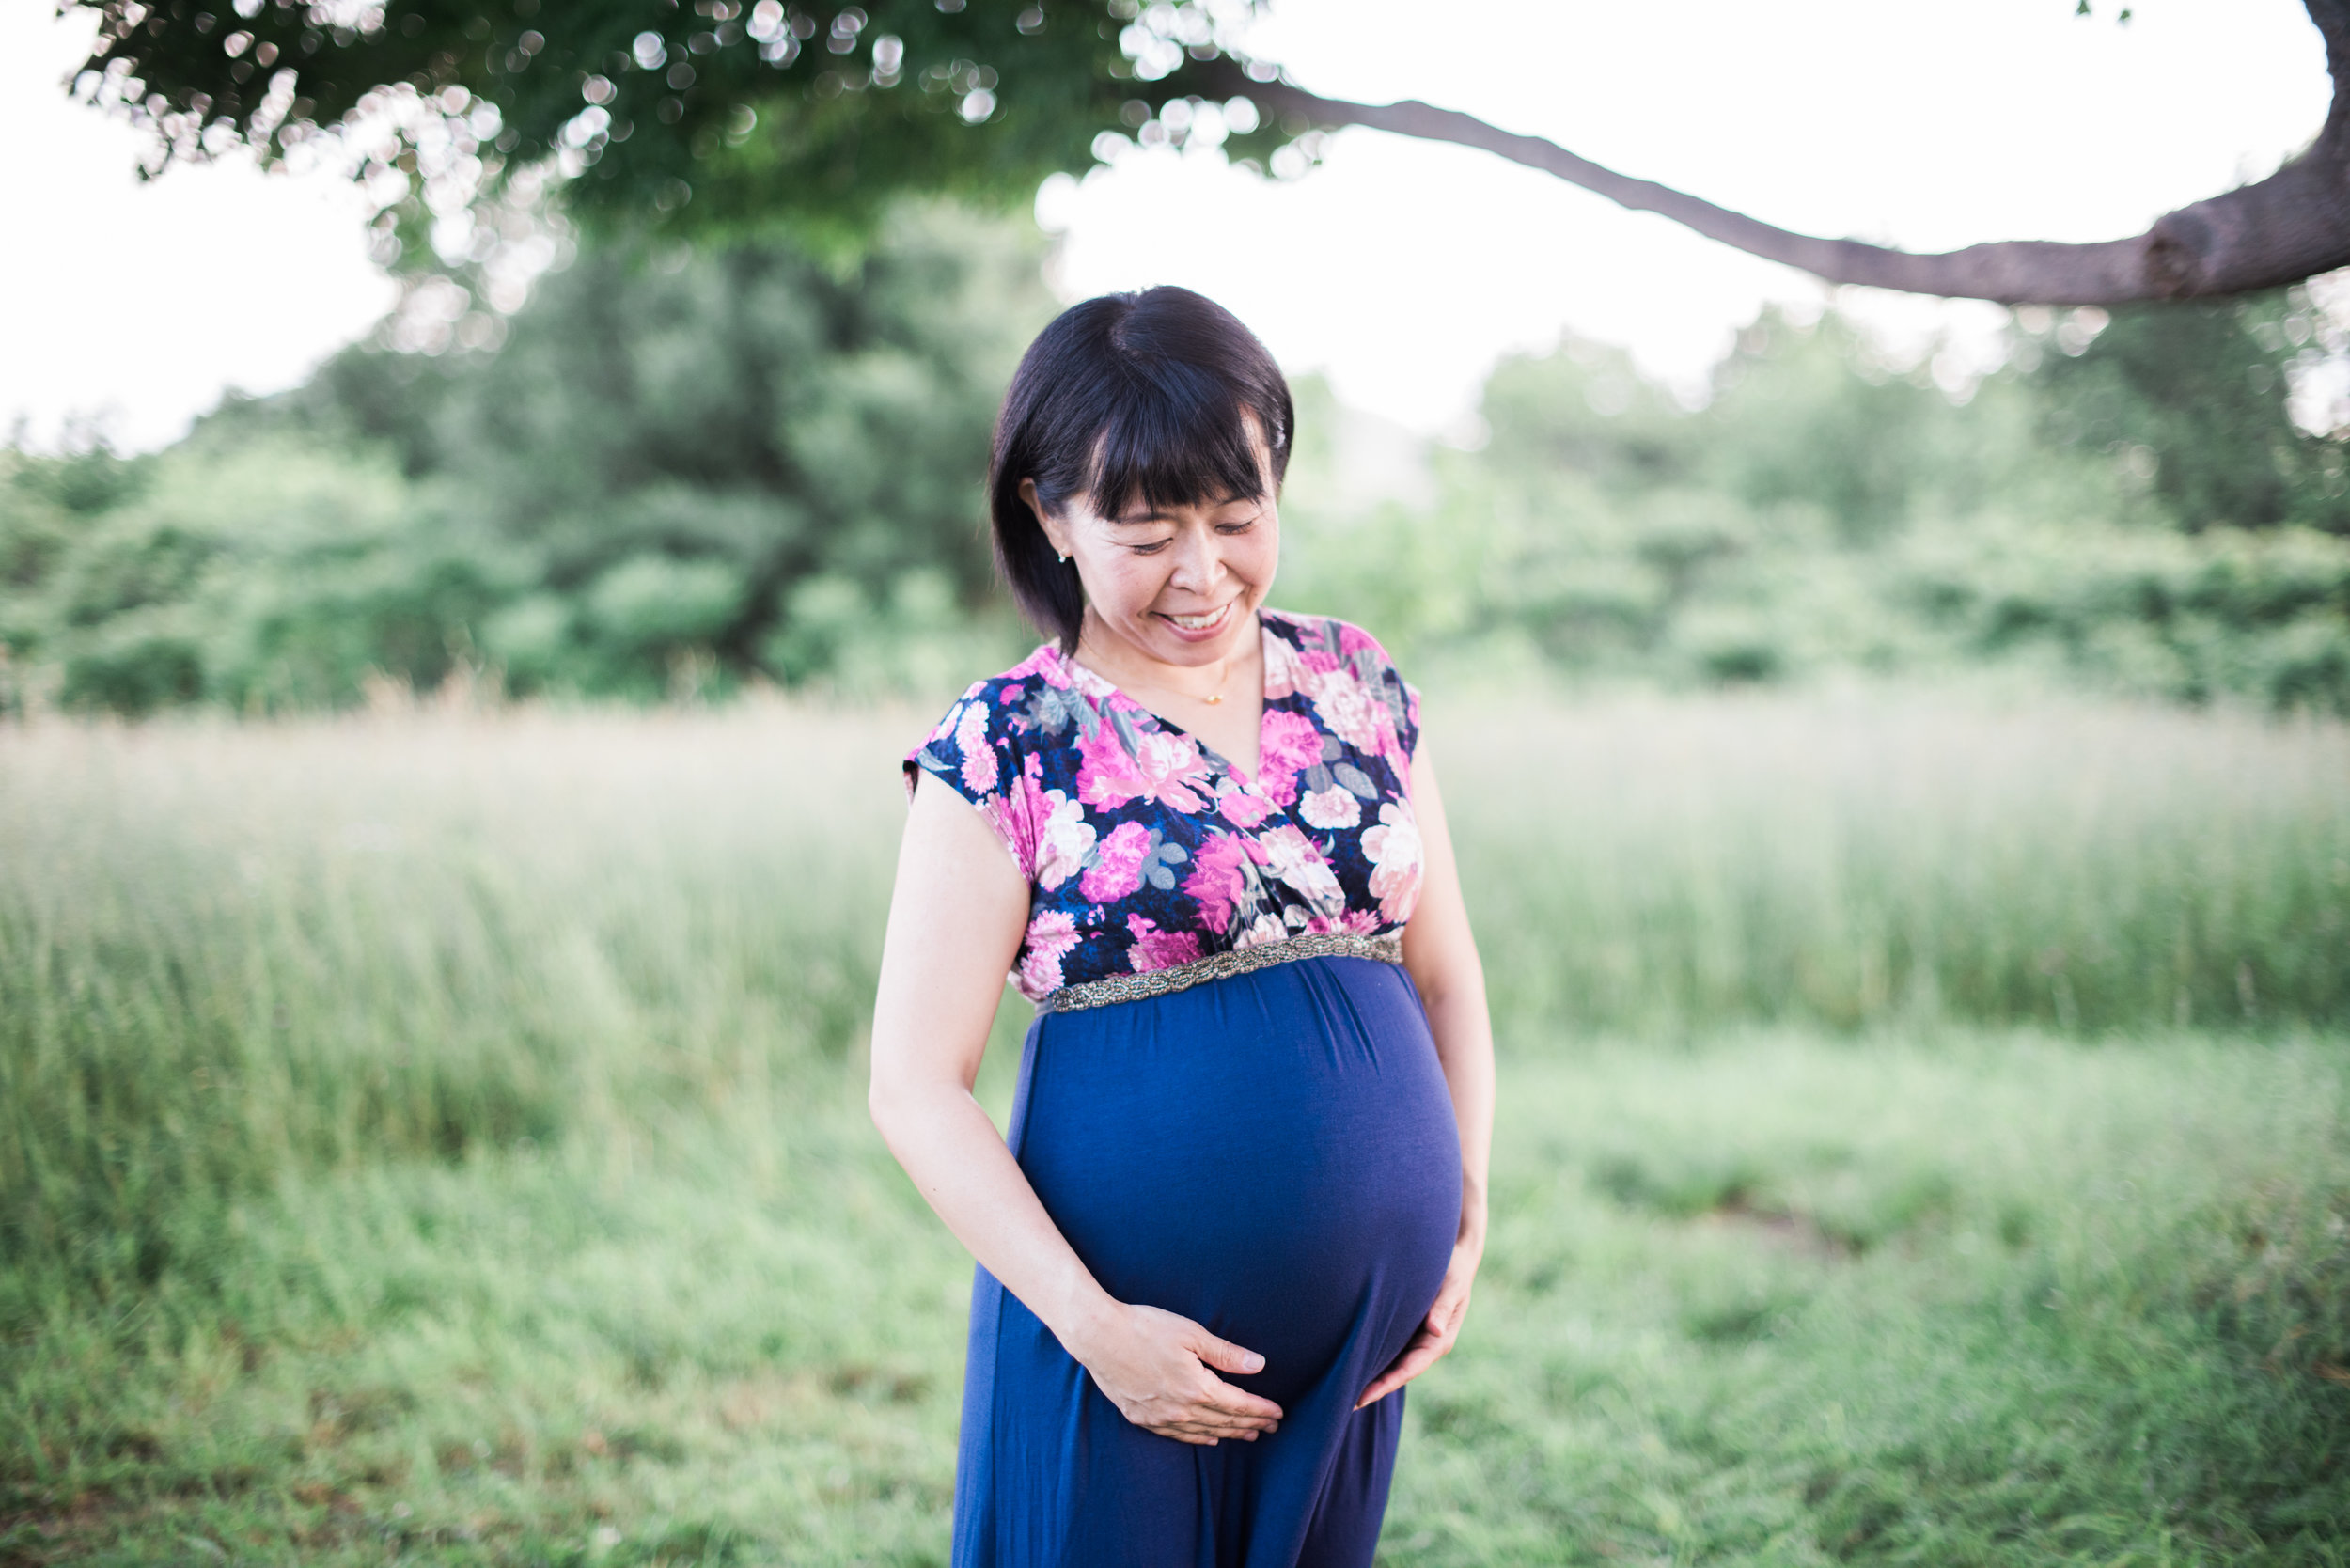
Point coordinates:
[(1272, 1156)]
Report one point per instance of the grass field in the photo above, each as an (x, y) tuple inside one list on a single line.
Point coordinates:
[(437, 1137)]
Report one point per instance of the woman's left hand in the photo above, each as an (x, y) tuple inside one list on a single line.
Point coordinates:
[(1438, 1330)]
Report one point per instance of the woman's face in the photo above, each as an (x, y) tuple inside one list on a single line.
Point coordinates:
[(1181, 584)]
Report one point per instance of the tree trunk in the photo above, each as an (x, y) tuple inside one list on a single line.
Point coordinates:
[(2291, 225)]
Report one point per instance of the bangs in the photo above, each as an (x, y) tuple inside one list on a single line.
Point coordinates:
[(1178, 439), (1157, 400)]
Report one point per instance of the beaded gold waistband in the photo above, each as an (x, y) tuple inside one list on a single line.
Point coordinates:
[(1387, 948)]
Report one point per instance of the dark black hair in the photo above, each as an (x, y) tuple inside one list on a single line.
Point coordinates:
[(1146, 396)]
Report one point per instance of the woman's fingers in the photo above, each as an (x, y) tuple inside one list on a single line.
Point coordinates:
[(1418, 1356), (1434, 1338), (1203, 1424), (1195, 1427), (1211, 1355), (1223, 1355), (1214, 1407), (1239, 1402), (1424, 1352), (1160, 1369)]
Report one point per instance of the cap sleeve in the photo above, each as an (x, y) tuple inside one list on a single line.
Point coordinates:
[(974, 752)]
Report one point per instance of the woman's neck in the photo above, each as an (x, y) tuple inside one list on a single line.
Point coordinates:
[(1124, 664)]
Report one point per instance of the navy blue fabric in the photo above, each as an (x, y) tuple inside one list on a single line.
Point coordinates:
[(1273, 1155)]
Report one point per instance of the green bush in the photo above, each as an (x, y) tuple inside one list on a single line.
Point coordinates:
[(685, 472), (627, 500), (1821, 515)]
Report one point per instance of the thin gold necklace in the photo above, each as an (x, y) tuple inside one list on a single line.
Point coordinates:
[(1211, 698)]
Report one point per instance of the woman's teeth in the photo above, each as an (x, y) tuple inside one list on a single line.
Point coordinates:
[(1200, 622)]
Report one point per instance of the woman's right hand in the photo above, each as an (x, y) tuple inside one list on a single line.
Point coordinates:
[(1155, 1367)]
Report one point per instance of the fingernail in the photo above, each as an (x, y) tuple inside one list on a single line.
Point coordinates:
[(1253, 1362)]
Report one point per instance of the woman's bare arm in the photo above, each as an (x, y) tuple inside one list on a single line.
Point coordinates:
[(956, 920), (1441, 954)]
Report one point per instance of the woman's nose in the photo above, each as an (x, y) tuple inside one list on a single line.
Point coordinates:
[(1198, 559)]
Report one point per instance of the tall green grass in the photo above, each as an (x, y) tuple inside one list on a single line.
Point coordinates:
[(230, 951), (227, 953), (437, 1133), (1875, 859)]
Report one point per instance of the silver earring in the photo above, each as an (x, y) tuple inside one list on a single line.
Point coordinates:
[(1064, 560)]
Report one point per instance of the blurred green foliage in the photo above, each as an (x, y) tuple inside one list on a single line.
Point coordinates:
[(689, 469), (2135, 510), (684, 469)]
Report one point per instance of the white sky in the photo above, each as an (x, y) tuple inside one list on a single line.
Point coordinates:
[(1403, 269)]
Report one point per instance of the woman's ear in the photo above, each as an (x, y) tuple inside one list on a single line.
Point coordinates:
[(1056, 531)]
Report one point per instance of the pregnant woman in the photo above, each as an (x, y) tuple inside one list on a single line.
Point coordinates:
[(1243, 1197)]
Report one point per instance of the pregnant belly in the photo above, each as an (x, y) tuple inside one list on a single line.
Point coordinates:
[(1273, 1155)]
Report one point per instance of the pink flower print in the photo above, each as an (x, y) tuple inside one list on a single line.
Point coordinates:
[(1223, 879), (1165, 769), (1045, 664), (1243, 808), (1063, 840), (1393, 848), (1117, 868), (1051, 936), (1079, 679), (979, 758), (1020, 812), (1009, 816), (1154, 948), (1286, 743), (1351, 712), (1354, 639), (1351, 922), (953, 716), (1281, 668), (1263, 928), (1316, 662), (1329, 809), (1289, 856)]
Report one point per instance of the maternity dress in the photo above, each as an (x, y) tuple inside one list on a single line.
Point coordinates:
[(1229, 1102)]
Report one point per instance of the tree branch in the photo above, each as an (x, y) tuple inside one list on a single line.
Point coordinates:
[(2291, 225)]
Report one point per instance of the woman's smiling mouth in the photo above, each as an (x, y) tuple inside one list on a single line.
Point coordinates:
[(1208, 621)]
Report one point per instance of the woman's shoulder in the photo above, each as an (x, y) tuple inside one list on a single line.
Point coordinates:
[(995, 712), (1346, 677), (1304, 648), (1046, 670), (1328, 636)]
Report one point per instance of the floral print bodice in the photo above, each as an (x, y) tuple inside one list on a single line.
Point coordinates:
[(1144, 848)]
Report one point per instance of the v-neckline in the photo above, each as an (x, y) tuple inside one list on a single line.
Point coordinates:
[(1248, 776)]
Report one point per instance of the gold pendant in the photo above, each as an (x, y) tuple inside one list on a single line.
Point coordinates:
[(1217, 697)]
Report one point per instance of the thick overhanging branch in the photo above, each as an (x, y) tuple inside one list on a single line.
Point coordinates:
[(2291, 225)]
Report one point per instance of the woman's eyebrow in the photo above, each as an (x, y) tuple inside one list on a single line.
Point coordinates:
[(1155, 516)]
